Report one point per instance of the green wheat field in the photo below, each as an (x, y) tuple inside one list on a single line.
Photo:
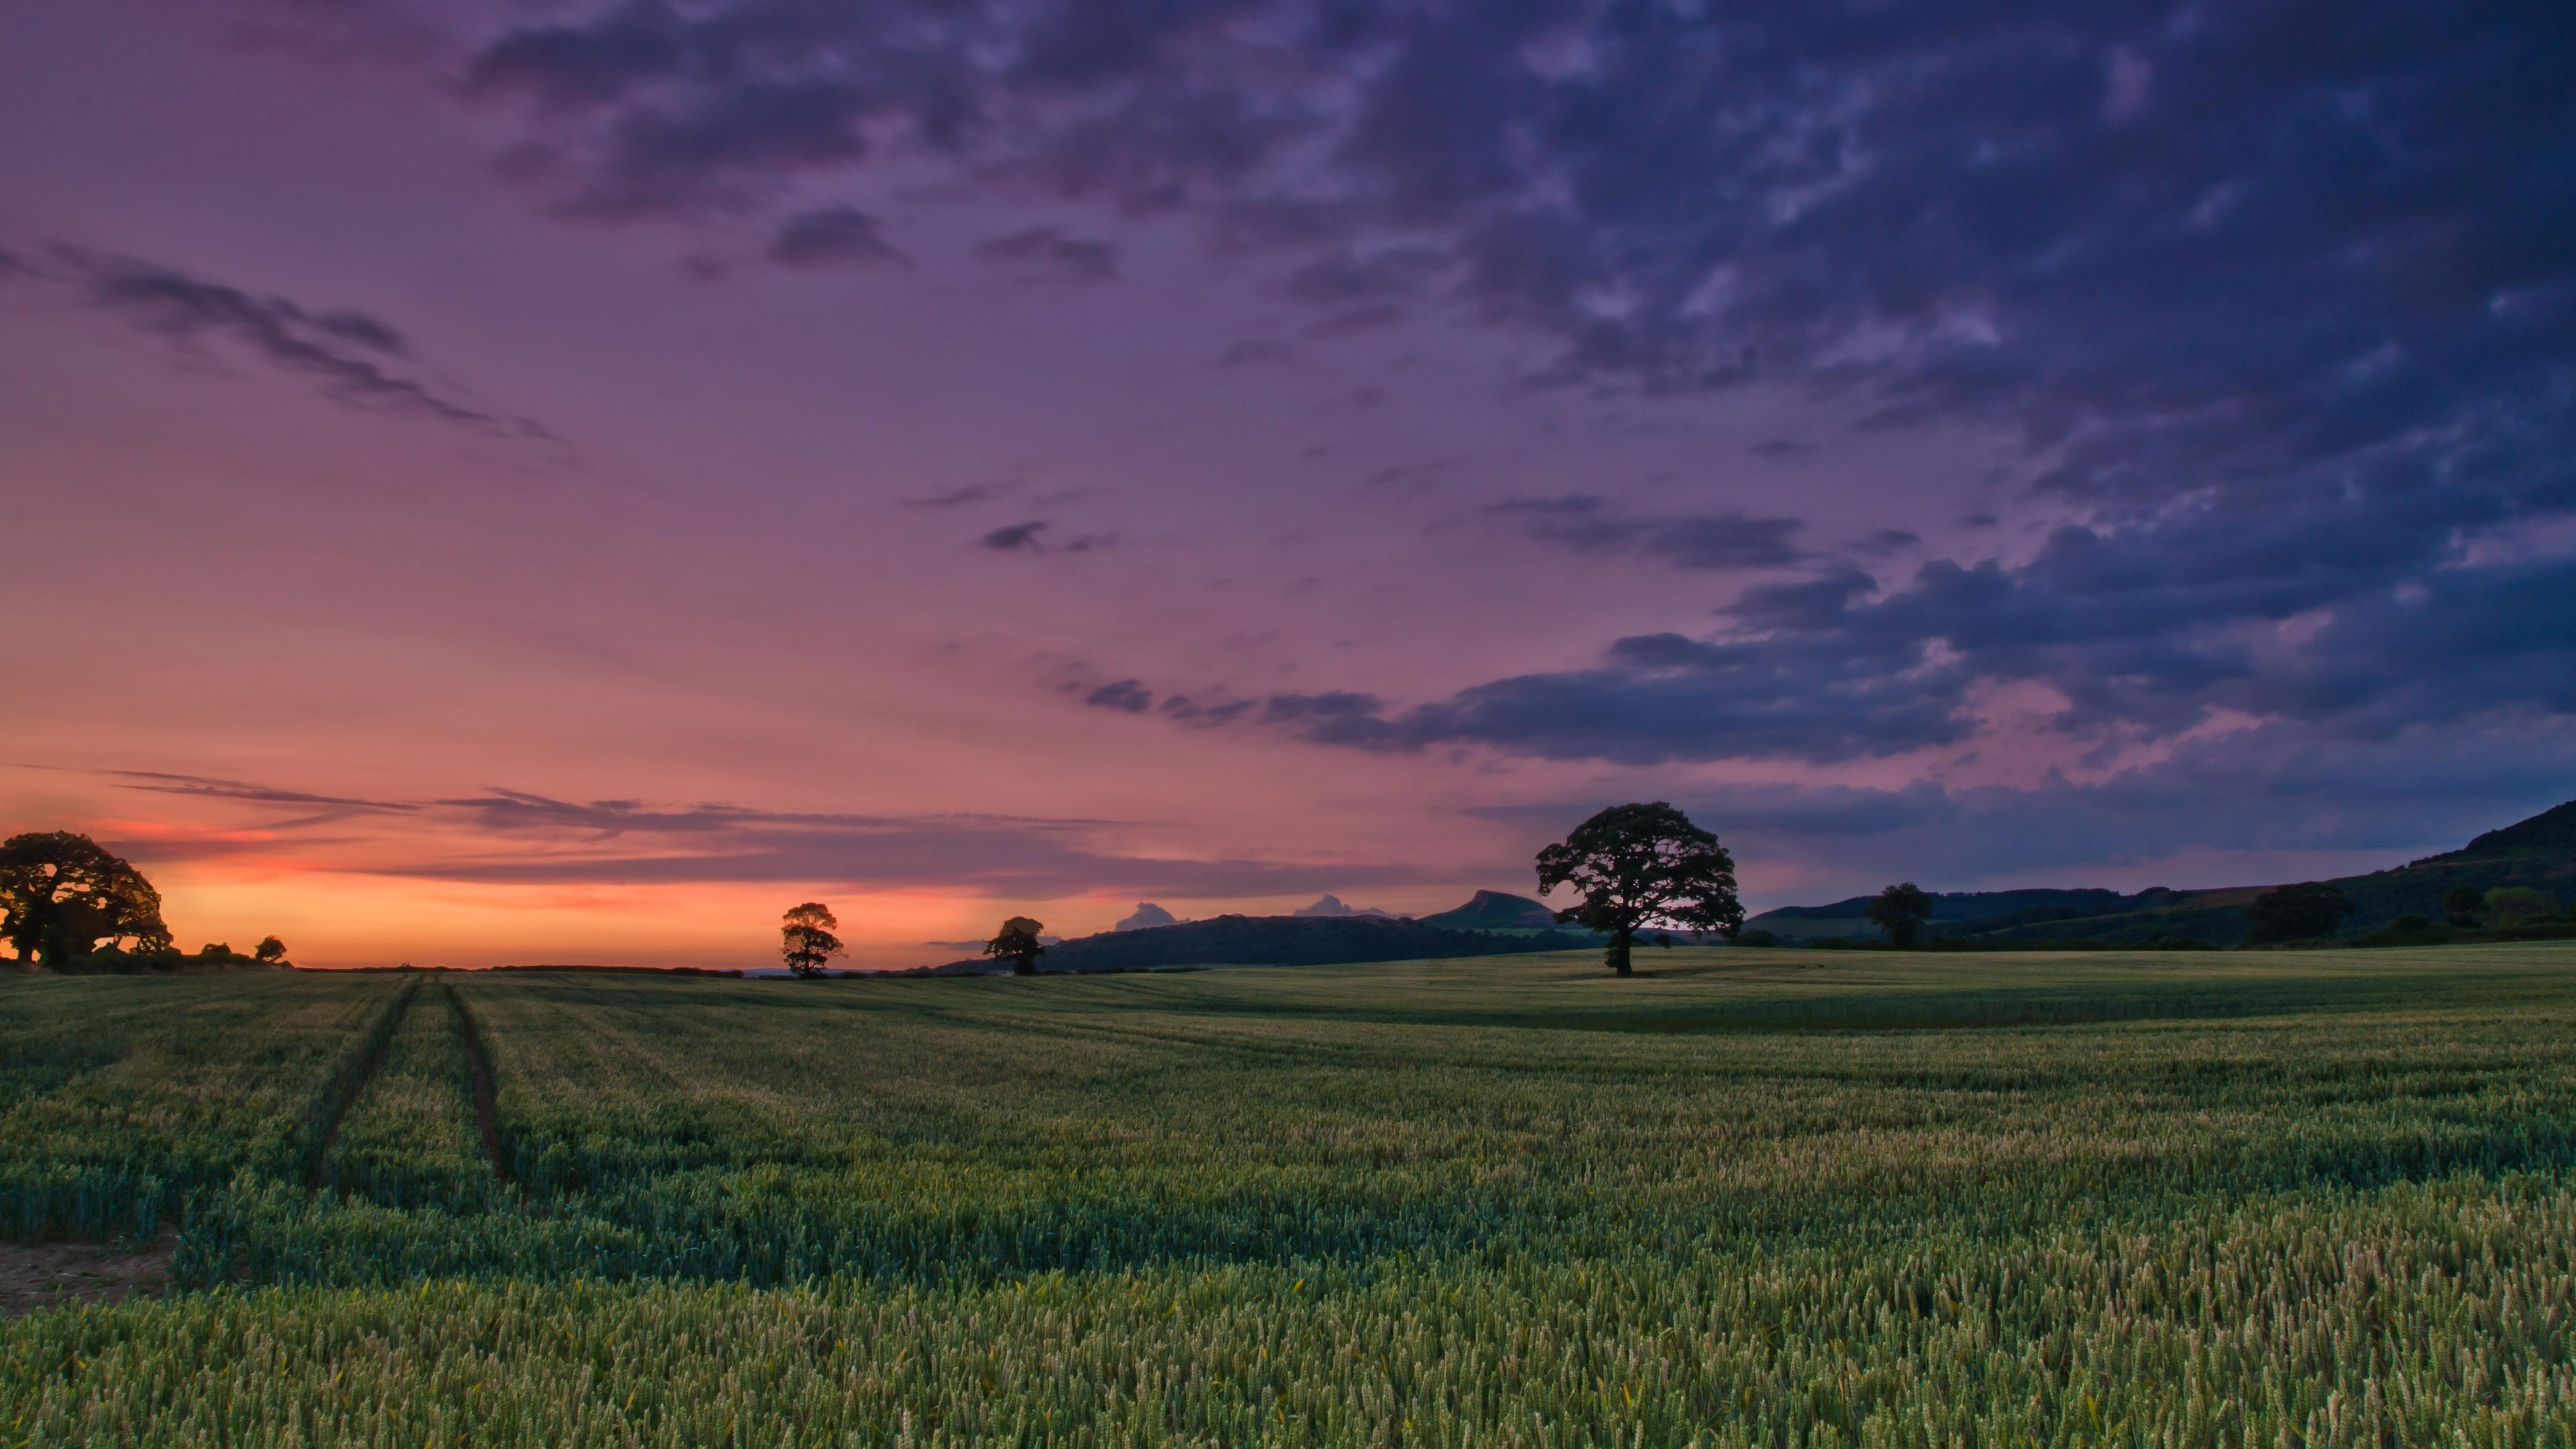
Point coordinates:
[(1756, 1197)]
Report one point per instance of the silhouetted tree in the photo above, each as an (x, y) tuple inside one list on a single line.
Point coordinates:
[(1899, 912), (270, 952), (806, 940), (1638, 866), (2295, 913), (1018, 944), (2462, 904), (61, 895)]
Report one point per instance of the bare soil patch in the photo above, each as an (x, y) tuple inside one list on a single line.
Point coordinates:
[(50, 1275)]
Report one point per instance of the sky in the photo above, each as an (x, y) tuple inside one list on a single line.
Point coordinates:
[(493, 481)]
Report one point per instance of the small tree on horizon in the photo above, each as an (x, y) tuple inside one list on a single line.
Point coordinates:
[(1642, 865), (270, 951), (1899, 913), (1018, 944), (806, 940)]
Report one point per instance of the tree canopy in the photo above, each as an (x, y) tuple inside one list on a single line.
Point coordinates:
[(1018, 943), (61, 896), (2300, 912), (1899, 912), (270, 951), (2509, 904), (806, 941), (1639, 866)]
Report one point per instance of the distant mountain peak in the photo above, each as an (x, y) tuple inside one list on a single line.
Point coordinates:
[(1331, 905), (1148, 915), (1495, 911)]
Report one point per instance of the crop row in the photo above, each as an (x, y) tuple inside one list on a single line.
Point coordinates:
[(2412, 1314), (124, 1101), (409, 1139)]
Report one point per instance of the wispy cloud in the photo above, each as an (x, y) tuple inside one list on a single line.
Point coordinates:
[(1587, 523), (516, 837), (356, 357)]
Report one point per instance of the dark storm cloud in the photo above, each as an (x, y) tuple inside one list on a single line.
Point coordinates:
[(1661, 697), (2281, 788), (567, 66), (1126, 694), (1587, 524), (833, 236), (1024, 538), (2277, 298), (659, 111), (967, 496), (1055, 253), (1814, 604), (1015, 537), (350, 353), (2150, 633)]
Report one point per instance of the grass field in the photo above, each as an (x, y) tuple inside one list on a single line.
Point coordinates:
[(1778, 1198)]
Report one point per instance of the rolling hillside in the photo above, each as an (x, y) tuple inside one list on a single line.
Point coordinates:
[(1279, 941), (2539, 852)]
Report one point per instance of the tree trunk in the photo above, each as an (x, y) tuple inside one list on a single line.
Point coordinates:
[(1619, 941), (1024, 966)]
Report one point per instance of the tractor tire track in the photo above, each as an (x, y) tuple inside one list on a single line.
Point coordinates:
[(342, 1091), (487, 1113)]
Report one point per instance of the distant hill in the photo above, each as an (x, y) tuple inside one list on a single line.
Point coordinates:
[(2551, 832), (1331, 905), (1844, 918), (1278, 941), (2539, 852), (1495, 911)]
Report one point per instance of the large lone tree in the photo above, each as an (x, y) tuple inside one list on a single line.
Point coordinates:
[(1018, 944), (1899, 912), (61, 896), (1640, 866), (806, 940)]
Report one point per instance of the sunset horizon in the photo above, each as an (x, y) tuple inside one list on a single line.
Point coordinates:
[(498, 485)]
